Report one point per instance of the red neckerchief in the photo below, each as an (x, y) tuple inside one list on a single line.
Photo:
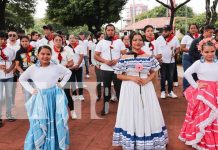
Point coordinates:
[(59, 54), (169, 38), (196, 35), (4, 45), (73, 46), (113, 39), (127, 45), (3, 56), (50, 37), (29, 49), (151, 45), (140, 52)]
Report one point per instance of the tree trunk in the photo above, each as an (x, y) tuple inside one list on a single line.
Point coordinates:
[(208, 12), (2, 14), (172, 8), (214, 13), (172, 16), (91, 29), (98, 28)]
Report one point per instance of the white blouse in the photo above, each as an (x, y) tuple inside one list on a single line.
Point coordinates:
[(148, 50), (44, 77), (205, 71), (78, 50)]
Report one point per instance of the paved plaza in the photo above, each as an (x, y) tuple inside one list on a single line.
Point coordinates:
[(95, 134)]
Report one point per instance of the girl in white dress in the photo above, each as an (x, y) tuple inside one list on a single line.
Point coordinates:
[(139, 124)]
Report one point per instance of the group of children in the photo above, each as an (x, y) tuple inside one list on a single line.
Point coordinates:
[(48, 71)]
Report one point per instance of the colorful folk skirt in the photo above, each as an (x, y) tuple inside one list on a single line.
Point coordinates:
[(48, 116), (200, 128)]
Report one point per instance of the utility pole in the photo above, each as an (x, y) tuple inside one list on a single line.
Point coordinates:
[(186, 19), (134, 15), (167, 14)]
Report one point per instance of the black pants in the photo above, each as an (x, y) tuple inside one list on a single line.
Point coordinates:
[(108, 77), (99, 80), (69, 98), (90, 57), (76, 77), (166, 72), (175, 74)]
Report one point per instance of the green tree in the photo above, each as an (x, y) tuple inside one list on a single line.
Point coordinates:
[(16, 13), (197, 19), (160, 11), (93, 13)]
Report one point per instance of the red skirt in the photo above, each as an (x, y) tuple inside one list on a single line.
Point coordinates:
[(200, 128)]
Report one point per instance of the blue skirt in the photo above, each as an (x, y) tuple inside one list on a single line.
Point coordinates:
[(48, 116)]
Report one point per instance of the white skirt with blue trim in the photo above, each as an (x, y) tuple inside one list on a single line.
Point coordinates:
[(139, 124)]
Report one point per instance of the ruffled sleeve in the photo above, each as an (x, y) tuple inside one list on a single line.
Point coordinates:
[(120, 67), (155, 64)]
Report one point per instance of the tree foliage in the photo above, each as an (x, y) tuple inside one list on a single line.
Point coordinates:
[(197, 19), (93, 13), (16, 14), (160, 11)]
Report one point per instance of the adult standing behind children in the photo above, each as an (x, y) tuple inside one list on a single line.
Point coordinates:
[(84, 43), (7, 65), (185, 45), (76, 51), (48, 36), (25, 57), (168, 43), (108, 52)]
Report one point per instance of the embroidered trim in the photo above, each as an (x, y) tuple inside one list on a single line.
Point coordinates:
[(128, 141)]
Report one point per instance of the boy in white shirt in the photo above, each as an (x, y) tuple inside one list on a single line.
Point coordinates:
[(84, 43), (48, 38), (169, 45), (7, 65)]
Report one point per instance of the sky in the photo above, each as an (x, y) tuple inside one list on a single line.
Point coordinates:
[(197, 5)]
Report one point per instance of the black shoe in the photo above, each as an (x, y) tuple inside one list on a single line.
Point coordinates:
[(1, 123), (10, 118)]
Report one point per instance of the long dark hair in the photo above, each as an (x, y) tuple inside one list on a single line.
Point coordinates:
[(131, 38)]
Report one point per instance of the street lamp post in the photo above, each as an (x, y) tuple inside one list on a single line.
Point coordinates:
[(186, 19), (134, 15), (167, 13)]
